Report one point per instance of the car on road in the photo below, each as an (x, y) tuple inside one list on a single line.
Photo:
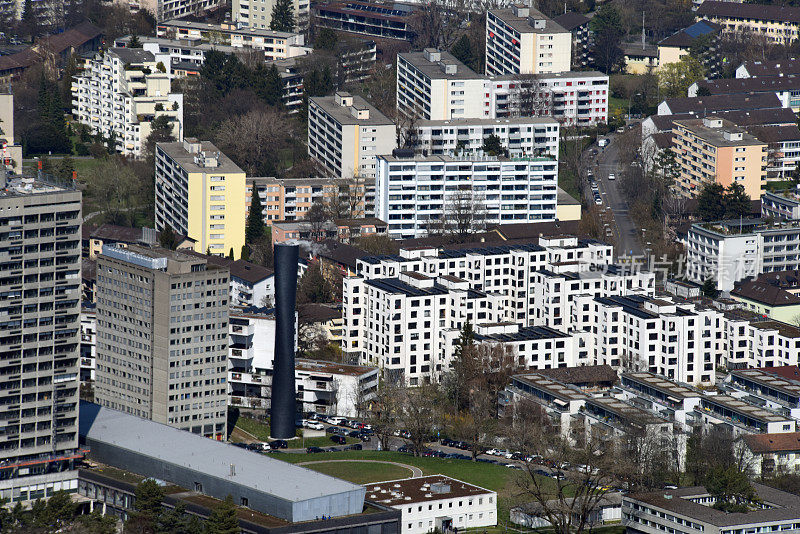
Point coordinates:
[(278, 444), (313, 450), (341, 440), (354, 447), (602, 142), (612, 176), (598, 201), (621, 129)]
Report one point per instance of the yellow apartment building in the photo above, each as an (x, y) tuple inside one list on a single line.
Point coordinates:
[(716, 150), (200, 193), (779, 24)]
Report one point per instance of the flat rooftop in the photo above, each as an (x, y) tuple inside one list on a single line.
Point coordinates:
[(770, 380), (523, 25), (530, 333), (433, 69), (203, 26), (662, 385), (735, 405), (28, 185), (322, 366), (177, 151), (716, 135), (626, 412), (421, 489), (552, 387), (342, 115)]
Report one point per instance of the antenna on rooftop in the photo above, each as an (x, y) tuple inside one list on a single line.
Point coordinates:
[(642, 29)]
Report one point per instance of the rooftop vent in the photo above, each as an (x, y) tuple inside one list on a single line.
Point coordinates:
[(343, 98), (432, 54), (448, 67), (536, 23), (440, 487), (521, 11)]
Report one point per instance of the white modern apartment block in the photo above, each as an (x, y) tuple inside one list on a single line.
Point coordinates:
[(521, 40), (521, 136), (323, 387), (416, 194), (729, 251), (258, 13), (554, 290), (411, 291), (346, 133), (274, 44), (179, 57), (676, 341), (436, 503), (749, 342), (434, 85), (120, 93)]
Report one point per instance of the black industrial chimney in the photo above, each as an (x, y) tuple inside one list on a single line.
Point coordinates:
[(282, 409)]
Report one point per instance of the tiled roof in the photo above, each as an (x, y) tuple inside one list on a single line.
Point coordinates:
[(778, 442), (766, 293), (777, 13)]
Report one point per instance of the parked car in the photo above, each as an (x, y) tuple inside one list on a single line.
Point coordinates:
[(331, 430), (404, 448), (313, 450), (278, 444), (364, 437), (341, 440), (354, 433), (355, 447), (314, 425)]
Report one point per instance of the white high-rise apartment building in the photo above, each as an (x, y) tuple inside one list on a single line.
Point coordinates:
[(346, 133), (162, 337), (521, 136), (120, 93), (678, 341), (435, 86), (521, 40), (40, 295), (417, 194), (454, 285), (258, 13)]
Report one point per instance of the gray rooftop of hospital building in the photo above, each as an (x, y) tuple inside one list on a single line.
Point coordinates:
[(288, 491)]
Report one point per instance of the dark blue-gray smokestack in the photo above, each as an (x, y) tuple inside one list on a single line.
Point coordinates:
[(282, 404)]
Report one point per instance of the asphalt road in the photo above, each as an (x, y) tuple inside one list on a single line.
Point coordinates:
[(626, 234)]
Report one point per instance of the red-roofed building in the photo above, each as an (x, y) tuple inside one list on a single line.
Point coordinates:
[(773, 453)]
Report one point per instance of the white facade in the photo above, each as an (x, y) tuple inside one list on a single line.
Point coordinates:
[(274, 44), (88, 344), (531, 136), (723, 253), (436, 503), (521, 40), (249, 293), (346, 134), (172, 9), (335, 389), (434, 85), (258, 13), (413, 195), (404, 313), (120, 93)]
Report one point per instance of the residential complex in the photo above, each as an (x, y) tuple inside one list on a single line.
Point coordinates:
[(373, 20), (578, 26), (521, 136), (417, 195), (346, 133), (163, 353), (521, 40), (434, 85), (275, 45), (200, 192), (258, 13), (729, 251), (172, 9), (40, 341), (715, 150), (289, 199), (119, 95), (779, 24)]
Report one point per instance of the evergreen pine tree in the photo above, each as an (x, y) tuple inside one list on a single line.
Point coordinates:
[(282, 16), (223, 519), (255, 220), (737, 202), (462, 50), (134, 42)]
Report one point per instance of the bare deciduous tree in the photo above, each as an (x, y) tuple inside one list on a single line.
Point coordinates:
[(464, 214), (531, 98), (384, 412), (419, 413), (254, 139)]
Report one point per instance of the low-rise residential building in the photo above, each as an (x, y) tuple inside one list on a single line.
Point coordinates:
[(781, 205), (335, 389), (778, 24), (520, 136), (702, 106), (257, 14), (436, 502), (289, 199), (639, 58), (346, 134), (730, 251), (775, 67), (274, 44), (772, 454), (377, 21), (320, 322), (200, 192), (766, 387), (767, 299), (741, 417), (521, 40), (671, 49), (578, 25), (345, 230), (715, 150), (610, 419), (607, 509), (692, 508), (417, 195), (786, 88), (119, 94), (568, 208)]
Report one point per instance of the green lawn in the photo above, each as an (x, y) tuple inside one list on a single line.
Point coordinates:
[(490, 476), (360, 473), (615, 104), (254, 427), (321, 441)]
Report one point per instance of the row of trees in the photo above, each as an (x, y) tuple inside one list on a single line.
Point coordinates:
[(58, 514)]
